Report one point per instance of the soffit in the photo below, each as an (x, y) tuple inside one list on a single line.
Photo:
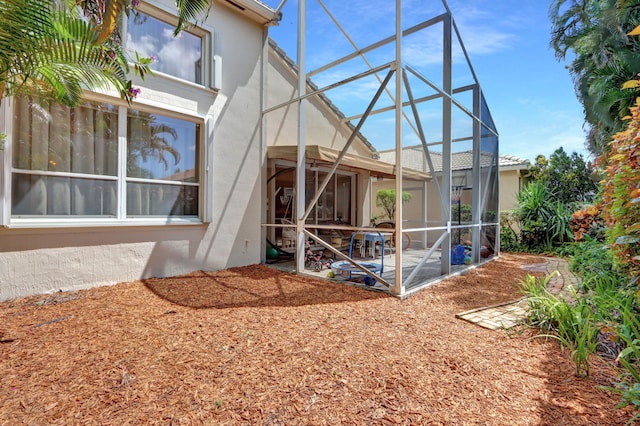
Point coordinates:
[(328, 155)]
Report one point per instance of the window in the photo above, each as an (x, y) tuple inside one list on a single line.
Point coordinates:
[(335, 202), (179, 56), (88, 162), (64, 160), (161, 165)]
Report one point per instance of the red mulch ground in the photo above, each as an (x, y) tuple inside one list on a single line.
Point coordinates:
[(255, 346)]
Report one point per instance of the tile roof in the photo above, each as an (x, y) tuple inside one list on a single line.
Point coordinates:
[(414, 158)]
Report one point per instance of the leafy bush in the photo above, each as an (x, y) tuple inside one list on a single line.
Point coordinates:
[(588, 221), (605, 317), (570, 178), (566, 250), (544, 221), (559, 225), (386, 198), (572, 325), (623, 309), (509, 229), (629, 386), (592, 259), (621, 193)]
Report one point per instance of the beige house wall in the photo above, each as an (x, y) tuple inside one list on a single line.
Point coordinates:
[(42, 259), (510, 182), (510, 185), (323, 128)]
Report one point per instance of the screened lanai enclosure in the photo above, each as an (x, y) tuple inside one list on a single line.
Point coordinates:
[(372, 111)]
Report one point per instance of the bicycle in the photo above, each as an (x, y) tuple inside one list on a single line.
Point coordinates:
[(406, 238), (315, 260)]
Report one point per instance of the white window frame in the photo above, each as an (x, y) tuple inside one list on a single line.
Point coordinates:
[(209, 63), (326, 169), (5, 184), (6, 168)]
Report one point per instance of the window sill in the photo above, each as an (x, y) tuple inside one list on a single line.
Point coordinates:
[(100, 223), (178, 80)]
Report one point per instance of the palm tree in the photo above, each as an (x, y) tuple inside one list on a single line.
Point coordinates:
[(596, 32), (151, 143), (52, 50), (45, 50)]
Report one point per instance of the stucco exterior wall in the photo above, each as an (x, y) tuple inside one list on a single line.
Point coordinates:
[(412, 211), (509, 188), (323, 126), (38, 260)]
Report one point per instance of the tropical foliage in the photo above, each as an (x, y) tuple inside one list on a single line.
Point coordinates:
[(50, 50), (621, 193), (56, 49), (600, 35), (510, 232), (604, 317), (588, 223), (570, 178), (572, 325), (544, 221), (386, 198), (595, 34)]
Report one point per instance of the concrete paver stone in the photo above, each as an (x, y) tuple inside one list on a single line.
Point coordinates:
[(509, 314)]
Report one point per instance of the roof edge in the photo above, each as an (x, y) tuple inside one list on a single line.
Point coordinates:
[(255, 10), (275, 48)]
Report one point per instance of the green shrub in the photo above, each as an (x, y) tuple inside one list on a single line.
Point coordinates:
[(572, 325), (593, 260), (621, 193), (606, 304), (386, 198), (509, 227), (544, 221), (629, 332), (566, 250)]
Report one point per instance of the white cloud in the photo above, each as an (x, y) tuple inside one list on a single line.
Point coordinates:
[(175, 55), (178, 55), (145, 45), (543, 134)]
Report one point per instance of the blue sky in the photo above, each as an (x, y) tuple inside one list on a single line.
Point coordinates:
[(530, 94)]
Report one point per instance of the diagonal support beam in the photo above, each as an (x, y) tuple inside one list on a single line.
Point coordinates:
[(347, 258), (432, 250), (364, 58), (423, 139), (355, 132)]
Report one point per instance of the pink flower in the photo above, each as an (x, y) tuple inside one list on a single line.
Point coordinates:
[(134, 91), (135, 3)]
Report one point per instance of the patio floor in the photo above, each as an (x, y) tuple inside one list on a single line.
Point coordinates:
[(429, 273), (494, 317), (507, 315)]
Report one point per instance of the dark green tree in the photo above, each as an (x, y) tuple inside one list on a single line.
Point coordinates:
[(570, 178), (595, 34), (386, 198), (539, 170)]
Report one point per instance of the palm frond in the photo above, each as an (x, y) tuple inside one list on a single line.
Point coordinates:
[(190, 11), (49, 51)]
